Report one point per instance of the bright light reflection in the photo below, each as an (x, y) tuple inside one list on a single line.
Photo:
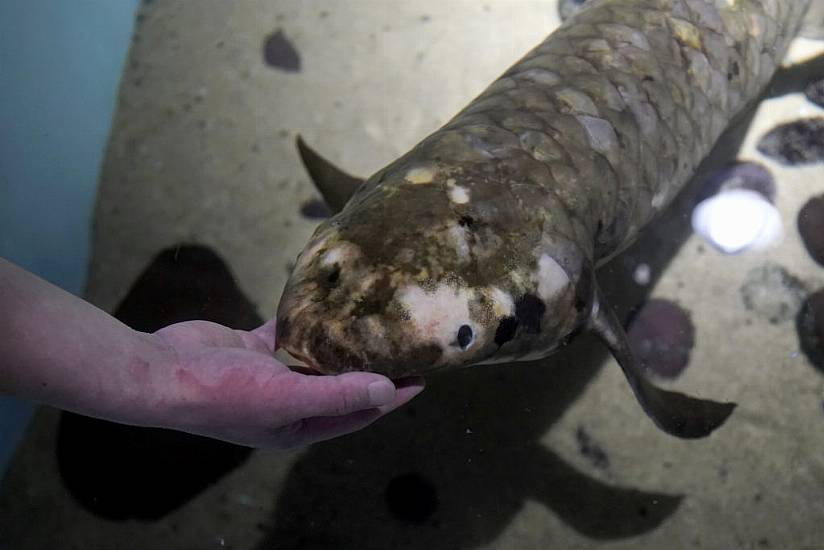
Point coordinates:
[(737, 220)]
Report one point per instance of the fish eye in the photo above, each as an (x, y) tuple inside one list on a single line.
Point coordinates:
[(334, 275), (465, 336)]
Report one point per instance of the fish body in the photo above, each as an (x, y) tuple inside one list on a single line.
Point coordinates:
[(480, 244)]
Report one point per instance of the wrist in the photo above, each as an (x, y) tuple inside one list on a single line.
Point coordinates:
[(146, 388)]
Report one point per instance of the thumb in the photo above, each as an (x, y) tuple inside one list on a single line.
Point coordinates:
[(339, 395)]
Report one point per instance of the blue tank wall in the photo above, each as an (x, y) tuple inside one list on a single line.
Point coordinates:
[(60, 66)]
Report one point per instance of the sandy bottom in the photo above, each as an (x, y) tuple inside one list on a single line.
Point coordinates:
[(552, 455)]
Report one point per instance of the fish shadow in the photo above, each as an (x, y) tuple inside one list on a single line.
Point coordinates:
[(454, 467)]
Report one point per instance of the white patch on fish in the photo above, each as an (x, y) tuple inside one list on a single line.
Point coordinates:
[(438, 315), (458, 237), (457, 194), (659, 199), (420, 174), (502, 302), (552, 279), (340, 254), (311, 250)]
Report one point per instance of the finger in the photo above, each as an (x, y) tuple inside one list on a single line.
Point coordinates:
[(268, 334), (252, 341), (321, 428), (311, 396), (406, 389)]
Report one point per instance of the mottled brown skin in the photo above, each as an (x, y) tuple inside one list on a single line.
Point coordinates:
[(566, 157)]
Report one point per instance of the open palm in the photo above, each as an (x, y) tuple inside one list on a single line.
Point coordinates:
[(226, 384)]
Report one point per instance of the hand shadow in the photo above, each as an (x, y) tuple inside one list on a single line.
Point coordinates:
[(127, 472), (453, 468)]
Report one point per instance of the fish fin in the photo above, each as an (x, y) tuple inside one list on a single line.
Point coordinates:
[(335, 185), (675, 413)]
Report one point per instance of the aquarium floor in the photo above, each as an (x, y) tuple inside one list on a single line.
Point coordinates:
[(541, 456)]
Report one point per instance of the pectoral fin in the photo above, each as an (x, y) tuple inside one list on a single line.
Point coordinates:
[(335, 185), (675, 413)]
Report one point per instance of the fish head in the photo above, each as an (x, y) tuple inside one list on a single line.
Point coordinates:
[(427, 273)]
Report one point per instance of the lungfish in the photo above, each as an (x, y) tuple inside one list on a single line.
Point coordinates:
[(480, 244)]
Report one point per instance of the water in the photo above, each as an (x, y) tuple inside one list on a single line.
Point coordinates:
[(541, 455)]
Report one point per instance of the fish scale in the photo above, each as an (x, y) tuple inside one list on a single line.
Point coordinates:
[(657, 93), (480, 244)]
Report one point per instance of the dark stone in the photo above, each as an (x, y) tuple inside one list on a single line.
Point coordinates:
[(741, 175), (810, 326), (278, 52), (815, 92), (411, 498), (773, 292), (315, 209), (811, 227), (799, 142), (125, 472), (662, 336), (568, 8)]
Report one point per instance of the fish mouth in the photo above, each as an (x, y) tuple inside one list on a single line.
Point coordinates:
[(284, 331)]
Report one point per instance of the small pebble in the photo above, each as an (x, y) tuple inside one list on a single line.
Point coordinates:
[(568, 8), (661, 337), (278, 52), (810, 326), (642, 274), (772, 292), (811, 227), (740, 175), (315, 209), (799, 142), (815, 92)]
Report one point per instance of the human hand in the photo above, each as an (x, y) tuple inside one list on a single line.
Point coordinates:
[(226, 384)]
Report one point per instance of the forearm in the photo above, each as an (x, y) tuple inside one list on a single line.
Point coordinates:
[(60, 350)]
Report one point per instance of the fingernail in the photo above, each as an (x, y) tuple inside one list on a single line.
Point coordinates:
[(381, 393)]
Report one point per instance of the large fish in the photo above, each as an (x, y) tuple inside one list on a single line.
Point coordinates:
[(480, 245)]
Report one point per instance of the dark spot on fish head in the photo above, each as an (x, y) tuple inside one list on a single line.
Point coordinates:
[(411, 498), (794, 143), (334, 275), (811, 227), (315, 209), (466, 221), (278, 52), (506, 330), (740, 175), (662, 336), (810, 327), (529, 311)]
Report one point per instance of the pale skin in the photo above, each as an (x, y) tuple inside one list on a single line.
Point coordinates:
[(197, 377)]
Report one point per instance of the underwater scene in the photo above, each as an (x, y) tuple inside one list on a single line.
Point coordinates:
[(591, 264)]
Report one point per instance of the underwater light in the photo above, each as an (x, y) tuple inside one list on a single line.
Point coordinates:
[(737, 220)]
